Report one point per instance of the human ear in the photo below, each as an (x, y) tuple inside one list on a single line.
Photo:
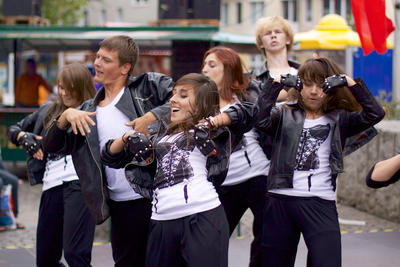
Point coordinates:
[(125, 68)]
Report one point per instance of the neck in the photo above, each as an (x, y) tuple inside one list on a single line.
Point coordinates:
[(224, 102), (111, 91), (277, 60), (312, 115)]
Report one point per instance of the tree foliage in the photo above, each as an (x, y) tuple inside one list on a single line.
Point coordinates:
[(63, 12)]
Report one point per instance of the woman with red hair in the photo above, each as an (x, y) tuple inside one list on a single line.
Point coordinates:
[(244, 186)]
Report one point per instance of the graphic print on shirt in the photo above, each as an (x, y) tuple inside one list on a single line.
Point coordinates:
[(173, 164), (310, 141)]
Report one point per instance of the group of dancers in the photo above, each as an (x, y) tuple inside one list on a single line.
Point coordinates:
[(175, 164)]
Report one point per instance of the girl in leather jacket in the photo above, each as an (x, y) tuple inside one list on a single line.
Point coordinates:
[(309, 136), (64, 220), (185, 202), (244, 186)]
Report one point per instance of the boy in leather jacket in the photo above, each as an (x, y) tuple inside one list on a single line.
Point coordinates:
[(123, 103)]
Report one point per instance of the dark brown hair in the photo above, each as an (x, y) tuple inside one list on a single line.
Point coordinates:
[(234, 82), (315, 70), (76, 79), (128, 50), (206, 102)]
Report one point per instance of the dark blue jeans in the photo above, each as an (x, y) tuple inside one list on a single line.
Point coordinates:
[(6, 178)]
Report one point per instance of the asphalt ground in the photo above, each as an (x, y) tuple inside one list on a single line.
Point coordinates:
[(366, 239)]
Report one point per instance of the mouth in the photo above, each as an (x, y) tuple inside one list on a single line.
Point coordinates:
[(173, 109)]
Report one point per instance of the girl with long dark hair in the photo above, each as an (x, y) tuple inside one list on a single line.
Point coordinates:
[(191, 156), (64, 219)]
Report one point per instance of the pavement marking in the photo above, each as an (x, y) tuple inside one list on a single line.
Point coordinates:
[(99, 243)]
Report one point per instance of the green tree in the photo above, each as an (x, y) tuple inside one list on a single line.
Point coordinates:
[(63, 12)]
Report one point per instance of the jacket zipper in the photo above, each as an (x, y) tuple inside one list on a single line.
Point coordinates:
[(101, 176), (139, 104)]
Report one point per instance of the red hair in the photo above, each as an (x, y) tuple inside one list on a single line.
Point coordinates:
[(234, 81)]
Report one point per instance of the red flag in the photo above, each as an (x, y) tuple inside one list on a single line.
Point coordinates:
[(372, 25)]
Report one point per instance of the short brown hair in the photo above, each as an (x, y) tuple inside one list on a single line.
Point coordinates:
[(266, 24), (128, 50)]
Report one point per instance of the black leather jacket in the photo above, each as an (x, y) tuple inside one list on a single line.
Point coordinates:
[(33, 123), (285, 125), (263, 75), (141, 178), (147, 92)]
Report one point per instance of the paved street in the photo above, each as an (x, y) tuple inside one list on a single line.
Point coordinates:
[(377, 243)]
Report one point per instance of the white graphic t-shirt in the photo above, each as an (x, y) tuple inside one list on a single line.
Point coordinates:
[(312, 173)]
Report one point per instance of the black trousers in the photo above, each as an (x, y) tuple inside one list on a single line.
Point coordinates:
[(64, 222), (236, 199), (197, 240), (286, 217), (129, 231)]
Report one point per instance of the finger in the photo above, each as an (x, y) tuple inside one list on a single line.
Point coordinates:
[(38, 137), (73, 126), (38, 155), (85, 126), (80, 128), (131, 123), (89, 120)]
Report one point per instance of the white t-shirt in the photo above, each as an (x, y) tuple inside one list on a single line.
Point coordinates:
[(58, 171), (111, 125), (312, 174), (194, 194), (247, 162)]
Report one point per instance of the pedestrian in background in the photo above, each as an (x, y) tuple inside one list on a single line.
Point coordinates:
[(64, 220), (27, 86)]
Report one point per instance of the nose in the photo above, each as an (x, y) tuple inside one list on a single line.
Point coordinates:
[(315, 89), (96, 62), (204, 70), (172, 99)]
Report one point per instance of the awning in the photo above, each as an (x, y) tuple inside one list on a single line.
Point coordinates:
[(59, 38)]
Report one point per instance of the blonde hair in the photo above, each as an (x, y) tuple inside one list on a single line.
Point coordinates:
[(266, 24)]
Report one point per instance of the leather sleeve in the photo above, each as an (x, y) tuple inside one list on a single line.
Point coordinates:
[(161, 86), (265, 103), (375, 184), (243, 117), (27, 124), (371, 113), (117, 160)]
